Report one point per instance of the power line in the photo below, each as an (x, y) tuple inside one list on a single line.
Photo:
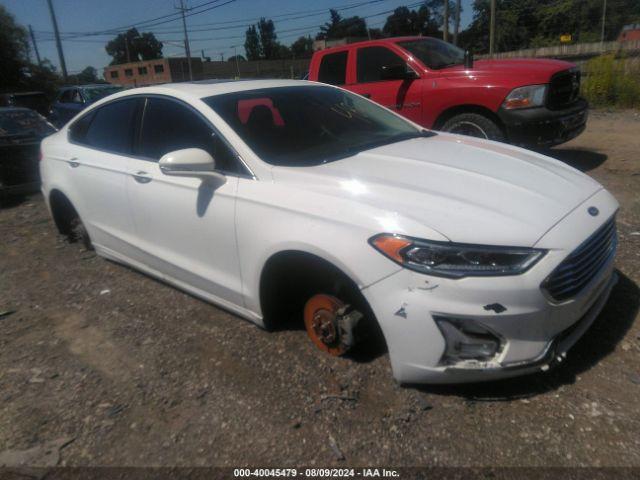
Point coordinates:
[(240, 22), (300, 29), (142, 24)]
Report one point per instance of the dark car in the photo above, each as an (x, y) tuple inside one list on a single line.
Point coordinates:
[(34, 100), (21, 131), (71, 100)]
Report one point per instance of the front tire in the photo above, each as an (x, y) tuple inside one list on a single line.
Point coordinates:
[(474, 125)]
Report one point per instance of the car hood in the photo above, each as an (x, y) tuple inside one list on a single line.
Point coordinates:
[(468, 190)]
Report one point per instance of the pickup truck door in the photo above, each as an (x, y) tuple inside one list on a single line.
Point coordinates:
[(401, 96)]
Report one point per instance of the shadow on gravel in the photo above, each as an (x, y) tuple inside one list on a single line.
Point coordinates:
[(583, 160), (599, 341)]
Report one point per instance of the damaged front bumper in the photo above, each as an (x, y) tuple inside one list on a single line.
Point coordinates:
[(509, 322)]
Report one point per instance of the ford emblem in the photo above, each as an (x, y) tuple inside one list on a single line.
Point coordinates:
[(593, 211)]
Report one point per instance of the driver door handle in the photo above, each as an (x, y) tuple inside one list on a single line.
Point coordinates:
[(73, 162), (141, 177)]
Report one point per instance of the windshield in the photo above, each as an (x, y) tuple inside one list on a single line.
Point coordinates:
[(19, 122), (308, 125), (95, 93), (435, 54)]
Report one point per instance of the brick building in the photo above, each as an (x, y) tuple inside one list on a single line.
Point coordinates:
[(153, 72), (630, 33)]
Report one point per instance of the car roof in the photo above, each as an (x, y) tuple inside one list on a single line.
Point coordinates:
[(203, 89), (377, 41), (89, 85), (21, 94), (15, 109)]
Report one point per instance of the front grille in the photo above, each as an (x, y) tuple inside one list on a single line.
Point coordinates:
[(564, 89), (578, 269)]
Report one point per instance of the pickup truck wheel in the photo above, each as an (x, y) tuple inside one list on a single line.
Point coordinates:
[(474, 125)]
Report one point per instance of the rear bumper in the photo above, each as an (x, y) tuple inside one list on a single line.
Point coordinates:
[(541, 127)]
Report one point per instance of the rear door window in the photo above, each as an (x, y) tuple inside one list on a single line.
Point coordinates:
[(112, 127), (78, 130), (333, 68)]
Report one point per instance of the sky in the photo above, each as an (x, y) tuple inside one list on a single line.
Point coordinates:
[(215, 31)]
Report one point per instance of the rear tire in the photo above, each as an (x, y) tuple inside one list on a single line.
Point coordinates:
[(474, 125), (78, 233)]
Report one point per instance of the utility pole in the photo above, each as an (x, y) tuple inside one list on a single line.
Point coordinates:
[(126, 47), (235, 54), (492, 28), (445, 30), (63, 65), (456, 23), (35, 46), (186, 39), (604, 18)]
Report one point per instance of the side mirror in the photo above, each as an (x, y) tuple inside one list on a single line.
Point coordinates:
[(400, 71), (189, 162), (468, 59)]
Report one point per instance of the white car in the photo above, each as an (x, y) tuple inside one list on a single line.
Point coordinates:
[(295, 201)]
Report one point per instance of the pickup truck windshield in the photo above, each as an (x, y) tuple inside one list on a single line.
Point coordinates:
[(435, 54), (309, 125)]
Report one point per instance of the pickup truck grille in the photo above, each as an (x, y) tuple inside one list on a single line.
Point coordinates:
[(578, 269), (564, 89)]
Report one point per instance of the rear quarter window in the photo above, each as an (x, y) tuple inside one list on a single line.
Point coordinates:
[(333, 68)]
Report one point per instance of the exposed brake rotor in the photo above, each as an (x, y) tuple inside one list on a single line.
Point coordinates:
[(329, 325)]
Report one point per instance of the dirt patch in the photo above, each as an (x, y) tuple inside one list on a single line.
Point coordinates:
[(139, 373)]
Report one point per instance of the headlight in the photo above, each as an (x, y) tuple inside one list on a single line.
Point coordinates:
[(455, 259), (525, 97)]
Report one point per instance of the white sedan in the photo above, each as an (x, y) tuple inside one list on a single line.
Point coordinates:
[(290, 201)]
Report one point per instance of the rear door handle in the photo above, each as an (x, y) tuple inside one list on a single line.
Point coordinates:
[(73, 162), (141, 177)]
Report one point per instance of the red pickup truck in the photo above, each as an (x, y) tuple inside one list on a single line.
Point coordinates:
[(533, 102)]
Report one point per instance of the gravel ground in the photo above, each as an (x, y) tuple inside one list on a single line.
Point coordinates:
[(100, 365)]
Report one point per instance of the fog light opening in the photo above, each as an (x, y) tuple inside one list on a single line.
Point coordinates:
[(466, 339)]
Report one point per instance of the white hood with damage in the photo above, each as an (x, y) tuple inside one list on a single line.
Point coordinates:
[(468, 190)]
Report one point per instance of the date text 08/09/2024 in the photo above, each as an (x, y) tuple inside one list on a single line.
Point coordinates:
[(316, 472)]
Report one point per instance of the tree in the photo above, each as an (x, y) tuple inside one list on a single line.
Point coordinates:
[(410, 22), (268, 39), (436, 8), (88, 75), (302, 47), (400, 22), (532, 23), (238, 58), (16, 70), (14, 51), (133, 47), (339, 27), (252, 44)]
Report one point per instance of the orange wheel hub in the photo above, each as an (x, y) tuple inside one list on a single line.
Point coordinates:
[(321, 322)]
